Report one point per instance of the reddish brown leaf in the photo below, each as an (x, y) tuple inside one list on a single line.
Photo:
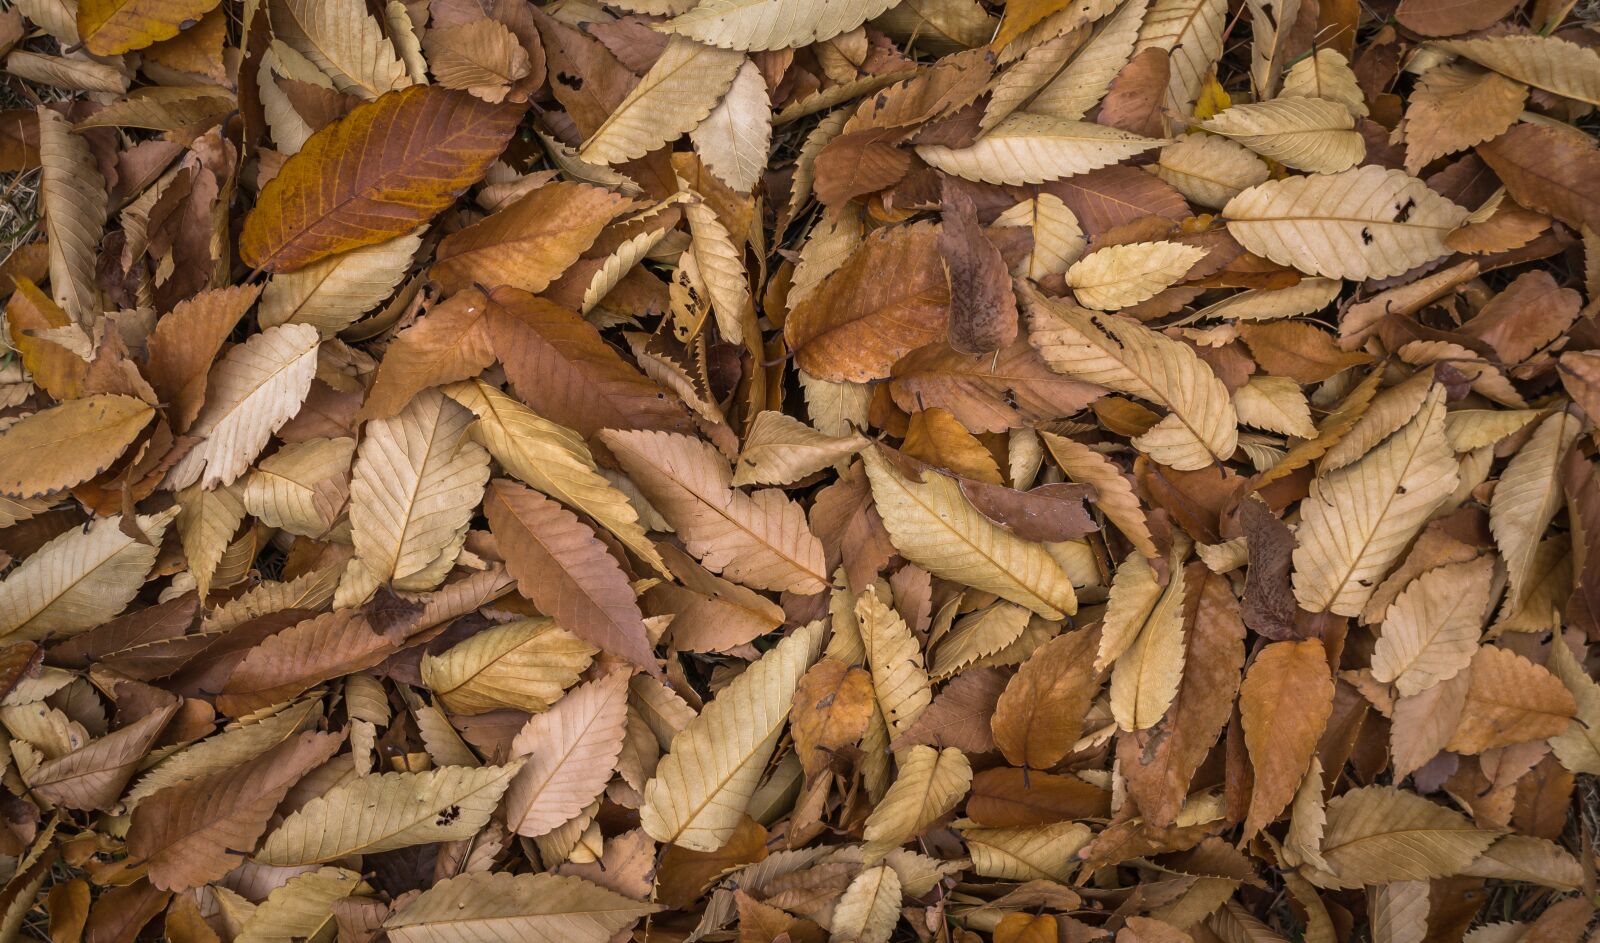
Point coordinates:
[(386, 168), (567, 571)]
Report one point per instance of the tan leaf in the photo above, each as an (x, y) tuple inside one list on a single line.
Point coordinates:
[(704, 783), (1122, 276), (255, 388), (1113, 491), (571, 752), (68, 444), (1072, 91), (1363, 223), (300, 909), (929, 784), (933, 525), (735, 138), (1528, 496), (1045, 853), (1431, 630), (977, 636), (1326, 74), (771, 24), (1057, 237), (679, 91), (1201, 427), (417, 480), (497, 905), (1192, 30), (1275, 404), (869, 908), (341, 39), (207, 523), (302, 487), (1034, 148), (894, 659), (1147, 673), (332, 293), (552, 459), (1359, 518), (1380, 834), (384, 811), (524, 665), (1311, 134), (72, 193), (1544, 62), (780, 450), (1454, 107), (1578, 747), (79, 579), (1210, 170), (481, 56)]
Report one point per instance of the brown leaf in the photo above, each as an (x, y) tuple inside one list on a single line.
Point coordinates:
[(759, 539), (832, 708), (1548, 169), (1298, 350), (563, 369), (529, 243), (983, 311), (1531, 313), (1040, 715), (1161, 762), (195, 832), (1451, 17), (1285, 702), (1047, 514), (304, 655), (335, 194), (859, 322), (988, 393), (1268, 607), (1510, 700), (1136, 98), (959, 714), (1005, 797), (564, 568), (449, 343)]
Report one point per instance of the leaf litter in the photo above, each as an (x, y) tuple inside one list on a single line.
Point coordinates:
[(769, 470)]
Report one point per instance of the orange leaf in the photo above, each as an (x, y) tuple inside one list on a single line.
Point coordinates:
[(380, 172), (111, 27), (1285, 701)]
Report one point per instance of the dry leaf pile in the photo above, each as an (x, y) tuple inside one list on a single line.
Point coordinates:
[(820, 471)]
